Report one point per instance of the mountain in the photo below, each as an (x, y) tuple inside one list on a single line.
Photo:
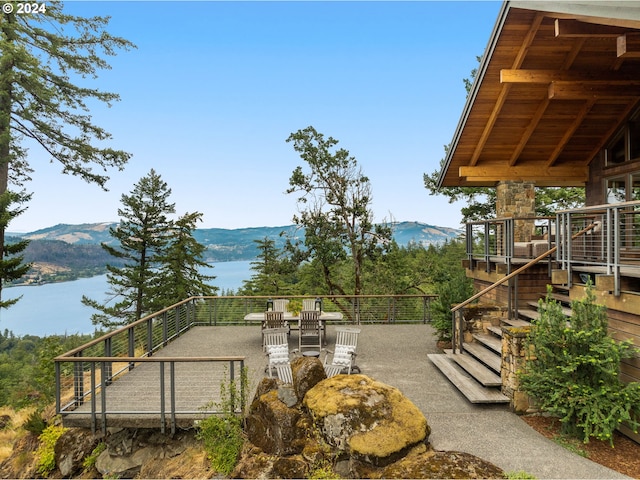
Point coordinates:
[(222, 244)]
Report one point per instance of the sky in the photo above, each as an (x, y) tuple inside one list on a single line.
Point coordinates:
[(214, 89)]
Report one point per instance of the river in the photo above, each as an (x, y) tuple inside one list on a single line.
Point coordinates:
[(56, 308)]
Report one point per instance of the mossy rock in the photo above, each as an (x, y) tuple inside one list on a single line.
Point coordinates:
[(369, 420)]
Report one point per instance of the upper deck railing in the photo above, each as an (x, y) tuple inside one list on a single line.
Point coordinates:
[(602, 239), (83, 374)]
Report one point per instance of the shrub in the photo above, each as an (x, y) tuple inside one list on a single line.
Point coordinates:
[(222, 434), (574, 374), (451, 291), (45, 452), (35, 423)]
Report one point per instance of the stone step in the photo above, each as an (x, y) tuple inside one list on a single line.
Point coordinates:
[(477, 370), (486, 356), (472, 390)]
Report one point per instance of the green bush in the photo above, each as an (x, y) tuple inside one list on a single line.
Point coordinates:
[(451, 291), (222, 434), (35, 423), (575, 372), (45, 452), (222, 437)]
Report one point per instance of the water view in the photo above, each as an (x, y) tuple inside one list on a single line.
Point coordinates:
[(55, 308)]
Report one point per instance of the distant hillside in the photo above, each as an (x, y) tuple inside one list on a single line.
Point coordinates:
[(69, 245)]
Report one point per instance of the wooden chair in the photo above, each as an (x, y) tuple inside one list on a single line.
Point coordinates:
[(276, 345), (309, 331), (343, 355), (273, 320), (280, 305)]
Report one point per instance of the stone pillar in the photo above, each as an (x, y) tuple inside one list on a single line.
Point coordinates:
[(514, 356), (517, 199)]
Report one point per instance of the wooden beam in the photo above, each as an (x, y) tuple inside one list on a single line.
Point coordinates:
[(561, 90), (567, 174), (548, 76), (522, 53), (575, 28), (628, 45)]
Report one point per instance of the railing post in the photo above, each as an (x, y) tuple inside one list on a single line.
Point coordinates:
[(150, 345), (107, 366), (163, 420), (56, 366), (616, 251), (132, 344), (172, 379), (94, 425), (165, 328), (103, 394)]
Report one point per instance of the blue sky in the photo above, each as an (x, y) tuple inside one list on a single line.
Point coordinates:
[(214, 89)]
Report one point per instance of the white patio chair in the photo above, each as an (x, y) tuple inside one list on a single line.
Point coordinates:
[(273, 320), (343, 355), (276, 345)]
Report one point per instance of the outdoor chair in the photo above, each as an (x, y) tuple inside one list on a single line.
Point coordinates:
[(343, 355), (309, 331), (308, 304), (280, 305), (276, 345), (273, 320)]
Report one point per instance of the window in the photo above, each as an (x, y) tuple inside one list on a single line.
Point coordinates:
[(616, 190), (616, 153), (634, 193)]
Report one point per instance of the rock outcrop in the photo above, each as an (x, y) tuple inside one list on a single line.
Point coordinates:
[(349, 425)]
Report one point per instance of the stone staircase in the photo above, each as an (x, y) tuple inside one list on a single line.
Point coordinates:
[(476, 372)]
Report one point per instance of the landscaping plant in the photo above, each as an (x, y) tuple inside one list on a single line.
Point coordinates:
[(573, 370)]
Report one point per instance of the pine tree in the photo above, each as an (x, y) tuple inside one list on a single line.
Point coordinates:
[(39, 53), (144, 232), (180, 276)]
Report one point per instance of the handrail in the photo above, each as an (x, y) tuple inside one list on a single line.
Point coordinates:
[(455, 339), (517, 271)]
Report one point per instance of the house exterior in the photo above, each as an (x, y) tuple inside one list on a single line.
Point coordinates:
[(556, 102)]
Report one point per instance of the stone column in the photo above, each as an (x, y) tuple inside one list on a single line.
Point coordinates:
[(515, 354), (517, 199)]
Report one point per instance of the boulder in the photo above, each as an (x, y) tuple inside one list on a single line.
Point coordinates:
[(275, 427), (307, 372), (367, 420), (73, 446)]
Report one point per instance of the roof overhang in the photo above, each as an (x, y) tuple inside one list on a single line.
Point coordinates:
[(556, 81)]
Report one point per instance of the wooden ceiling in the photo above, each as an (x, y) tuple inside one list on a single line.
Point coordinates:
[(552, 90)]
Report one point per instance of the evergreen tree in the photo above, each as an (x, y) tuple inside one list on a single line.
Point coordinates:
[(39, 53), (180, 276), (268, 278), (11, 262), (143, 234)]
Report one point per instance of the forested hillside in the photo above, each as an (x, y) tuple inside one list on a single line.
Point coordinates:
[(66, 252)]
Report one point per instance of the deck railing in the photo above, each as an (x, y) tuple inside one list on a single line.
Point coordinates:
[(612, 247), (602, 239), (83, 374)]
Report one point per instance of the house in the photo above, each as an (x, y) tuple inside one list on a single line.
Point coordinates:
[(555, 103)]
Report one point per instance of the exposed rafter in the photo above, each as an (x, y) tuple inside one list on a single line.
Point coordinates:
[(628, 45), (505, 88), (574, 28)]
